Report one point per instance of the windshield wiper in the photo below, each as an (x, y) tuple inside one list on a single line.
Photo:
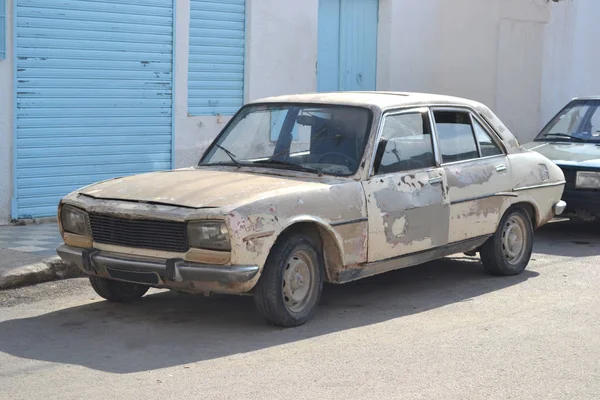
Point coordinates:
[(289, 164), (230, 154), (564, 135)]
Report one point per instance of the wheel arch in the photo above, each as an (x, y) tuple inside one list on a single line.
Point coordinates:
[(530, 208), (324, 235)]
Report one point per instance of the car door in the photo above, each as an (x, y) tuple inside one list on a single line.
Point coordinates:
[(477, 171), (407, 207)]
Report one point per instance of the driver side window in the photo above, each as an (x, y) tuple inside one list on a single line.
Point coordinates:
[(405, 144)]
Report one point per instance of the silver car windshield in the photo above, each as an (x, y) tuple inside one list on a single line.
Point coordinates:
[(579, 121), (323, 139)]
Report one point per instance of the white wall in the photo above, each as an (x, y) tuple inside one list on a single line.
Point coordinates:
[(281, 57), (405, 59), (571, 55), (485, 50), (6, 121)]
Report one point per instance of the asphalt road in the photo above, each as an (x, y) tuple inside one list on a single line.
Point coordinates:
[(439, 331)]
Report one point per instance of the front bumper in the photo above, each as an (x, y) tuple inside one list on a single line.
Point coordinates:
[(153, 271)]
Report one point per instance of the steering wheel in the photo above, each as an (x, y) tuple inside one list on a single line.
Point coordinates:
[(350, 160)]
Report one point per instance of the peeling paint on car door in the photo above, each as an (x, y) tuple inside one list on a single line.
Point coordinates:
[(406, 203), (478, 174)]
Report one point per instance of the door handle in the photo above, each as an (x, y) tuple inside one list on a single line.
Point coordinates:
[(437, 179), (500, 167)]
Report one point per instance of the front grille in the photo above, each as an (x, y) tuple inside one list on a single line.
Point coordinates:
[(146, 234)]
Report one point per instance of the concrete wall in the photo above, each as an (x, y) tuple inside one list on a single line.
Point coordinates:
[(486, 50), (281, 57), (571, 56), (6, 121)]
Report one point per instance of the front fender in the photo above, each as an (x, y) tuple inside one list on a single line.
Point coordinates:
[(337, 211)]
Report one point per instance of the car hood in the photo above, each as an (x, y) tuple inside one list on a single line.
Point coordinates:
[(197, 188), (568, 154)]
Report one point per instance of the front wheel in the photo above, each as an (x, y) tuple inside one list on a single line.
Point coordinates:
[(290, 287), (117, 291), (508, 252)]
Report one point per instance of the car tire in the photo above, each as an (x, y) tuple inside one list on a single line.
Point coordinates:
[(290, 286), (508, 251), (117, 291)]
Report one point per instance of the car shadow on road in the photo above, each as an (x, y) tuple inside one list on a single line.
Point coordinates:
[(568, 239), (168, 329)]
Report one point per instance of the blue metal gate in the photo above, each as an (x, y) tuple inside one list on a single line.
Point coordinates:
[(94, 95), (216, 56), (347, 58)]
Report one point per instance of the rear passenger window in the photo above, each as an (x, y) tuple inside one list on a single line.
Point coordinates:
[(455, 134), (486, 143), (405, 144)]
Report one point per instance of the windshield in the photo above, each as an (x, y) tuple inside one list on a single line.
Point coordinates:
[(313, 138), (579, 121)]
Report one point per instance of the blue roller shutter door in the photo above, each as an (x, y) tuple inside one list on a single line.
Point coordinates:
[(94, 95), (216, 56)]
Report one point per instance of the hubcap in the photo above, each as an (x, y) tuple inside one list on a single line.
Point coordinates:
[(297, 281), (514, 239)]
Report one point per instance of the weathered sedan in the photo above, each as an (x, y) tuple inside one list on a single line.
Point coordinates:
[(572, 141), (304, 189)]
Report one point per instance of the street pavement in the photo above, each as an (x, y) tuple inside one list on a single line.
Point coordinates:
[(28, 255), (34, 239), (443, 330)]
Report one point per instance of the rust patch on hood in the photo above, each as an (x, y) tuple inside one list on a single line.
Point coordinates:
[(197, 188)]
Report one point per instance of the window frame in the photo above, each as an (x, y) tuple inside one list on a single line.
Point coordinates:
[(395, 112), (371, 121), (472, 116), (492, 137)]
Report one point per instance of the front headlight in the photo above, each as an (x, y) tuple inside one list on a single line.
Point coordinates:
[(74, 220), (587, 180), (210, 235)]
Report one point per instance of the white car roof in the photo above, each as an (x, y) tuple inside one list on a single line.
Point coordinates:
[(597, 97), (380, 99), (385, 100)]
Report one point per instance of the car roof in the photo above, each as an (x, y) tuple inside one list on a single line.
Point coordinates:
[(385, 100), (380, 99), (596, 97)]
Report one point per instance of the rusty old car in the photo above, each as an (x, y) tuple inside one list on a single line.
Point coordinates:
[(304, 189)]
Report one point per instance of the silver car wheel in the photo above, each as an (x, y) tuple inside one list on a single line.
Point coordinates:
[(298, 281), (514, 239)]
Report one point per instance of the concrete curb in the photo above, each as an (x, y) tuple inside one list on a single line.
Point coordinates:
[(47, 270)]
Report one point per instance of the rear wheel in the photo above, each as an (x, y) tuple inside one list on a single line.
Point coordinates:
[(117, 291), (508, 252), (289, 288)]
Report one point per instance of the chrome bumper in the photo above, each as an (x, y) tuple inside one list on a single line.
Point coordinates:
[(153, 272), (559, 207)]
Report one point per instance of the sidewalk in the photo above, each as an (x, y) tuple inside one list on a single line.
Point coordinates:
[(28, 255)]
